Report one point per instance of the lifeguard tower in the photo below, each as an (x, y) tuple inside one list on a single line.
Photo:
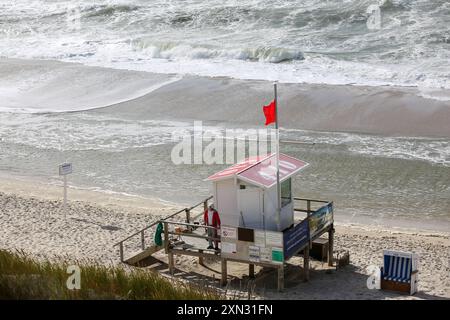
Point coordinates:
[(245, 194), (253, 230)]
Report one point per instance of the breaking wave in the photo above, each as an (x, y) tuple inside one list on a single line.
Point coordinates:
[(310, 41), (49, 87), (174, 51)]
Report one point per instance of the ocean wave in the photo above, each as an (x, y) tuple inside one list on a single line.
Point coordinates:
[(175, 51), (326, 41), (51, 87), (107, 10)]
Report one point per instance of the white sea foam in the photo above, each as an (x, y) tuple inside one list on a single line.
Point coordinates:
[(308, 41), (87, 132), (433, 150)]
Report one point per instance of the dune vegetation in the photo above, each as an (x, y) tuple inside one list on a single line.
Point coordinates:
[(25, 277)]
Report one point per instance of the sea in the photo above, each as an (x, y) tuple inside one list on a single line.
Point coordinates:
[(107, 84)]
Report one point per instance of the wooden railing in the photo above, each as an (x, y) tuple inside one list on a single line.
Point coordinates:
[(198, 252), (193, 235), (308, 209), (141, 232)]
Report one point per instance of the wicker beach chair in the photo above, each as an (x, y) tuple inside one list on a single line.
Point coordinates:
[(399, 271)]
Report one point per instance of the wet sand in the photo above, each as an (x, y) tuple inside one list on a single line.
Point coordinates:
[(373, 110), (35, 85)]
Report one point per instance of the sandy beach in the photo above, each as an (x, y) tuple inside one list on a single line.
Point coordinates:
[(32, 219)]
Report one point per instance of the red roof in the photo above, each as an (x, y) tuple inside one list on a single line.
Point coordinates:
[(261, 171), (235, 169)]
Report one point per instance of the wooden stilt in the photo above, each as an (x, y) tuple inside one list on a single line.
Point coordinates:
[(306, 263), (142, 240), (188, 216), (121, 251), (281, 278), (251, 271), (223, 279), (330, 245), (166, 237), (171, 263), (167, 248), (200, 258)]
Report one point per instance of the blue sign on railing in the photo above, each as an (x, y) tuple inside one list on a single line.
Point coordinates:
[(321, 219), (295, 238)]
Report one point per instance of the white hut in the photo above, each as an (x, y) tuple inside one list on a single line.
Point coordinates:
[(245, 194)]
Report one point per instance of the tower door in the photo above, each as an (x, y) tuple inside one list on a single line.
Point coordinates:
[(251, 208)]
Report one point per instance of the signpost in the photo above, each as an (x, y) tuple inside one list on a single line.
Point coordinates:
[(64, 170)]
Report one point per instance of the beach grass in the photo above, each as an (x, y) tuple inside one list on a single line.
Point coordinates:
[(25, 277)]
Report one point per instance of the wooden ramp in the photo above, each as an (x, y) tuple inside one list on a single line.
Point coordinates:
[(134, 261), (144, 233)]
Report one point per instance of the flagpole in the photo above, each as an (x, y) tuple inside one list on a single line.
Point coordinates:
[(278, 158)]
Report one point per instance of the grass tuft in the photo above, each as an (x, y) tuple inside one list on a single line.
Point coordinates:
[(24, 277)]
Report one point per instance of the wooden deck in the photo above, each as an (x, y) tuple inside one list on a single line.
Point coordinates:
[(191, 214), (188, 236)]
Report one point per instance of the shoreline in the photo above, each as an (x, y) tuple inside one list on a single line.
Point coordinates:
[(45, 190), (32, 187)]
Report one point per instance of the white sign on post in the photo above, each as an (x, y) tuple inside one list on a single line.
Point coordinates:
[(64, 170)]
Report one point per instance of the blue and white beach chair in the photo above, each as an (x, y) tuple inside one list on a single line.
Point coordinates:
[(399, 272)]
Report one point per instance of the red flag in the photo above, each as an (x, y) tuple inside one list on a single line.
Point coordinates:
[(269, 112)]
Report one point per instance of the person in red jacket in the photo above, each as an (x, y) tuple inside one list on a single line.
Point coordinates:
[(212, 219)]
